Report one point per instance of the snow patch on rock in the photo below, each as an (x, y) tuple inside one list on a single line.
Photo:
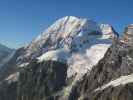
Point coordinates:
[(123, 80), (60, 55)]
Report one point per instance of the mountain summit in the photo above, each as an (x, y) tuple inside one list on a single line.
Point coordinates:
[(65, 29), (72, 40)]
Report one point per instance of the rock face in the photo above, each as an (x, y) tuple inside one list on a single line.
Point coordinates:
[(128, 34), (111, 78), (42, 81), (8, 89)]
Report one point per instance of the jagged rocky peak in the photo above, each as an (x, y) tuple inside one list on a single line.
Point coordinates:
[(129, 29), (109, 30), (128, 34), (106, 28)]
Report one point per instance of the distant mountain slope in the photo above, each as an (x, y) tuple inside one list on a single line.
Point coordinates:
[(5, 54)]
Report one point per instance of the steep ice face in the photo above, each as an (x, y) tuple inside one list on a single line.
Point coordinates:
[(79, 42)]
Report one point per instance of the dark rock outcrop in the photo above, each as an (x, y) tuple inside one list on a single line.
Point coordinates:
[(42, 81), (8, 91)]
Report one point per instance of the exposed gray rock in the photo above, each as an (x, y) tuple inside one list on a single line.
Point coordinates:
[(42, 81), (111, 79), (128, 34)]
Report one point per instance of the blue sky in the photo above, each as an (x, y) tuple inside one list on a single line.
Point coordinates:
[(22, 20)]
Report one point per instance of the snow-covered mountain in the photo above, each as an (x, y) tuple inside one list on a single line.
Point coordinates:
[(58, 58), (66, 32), (110, 79), (76, 41), (5, 54)]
